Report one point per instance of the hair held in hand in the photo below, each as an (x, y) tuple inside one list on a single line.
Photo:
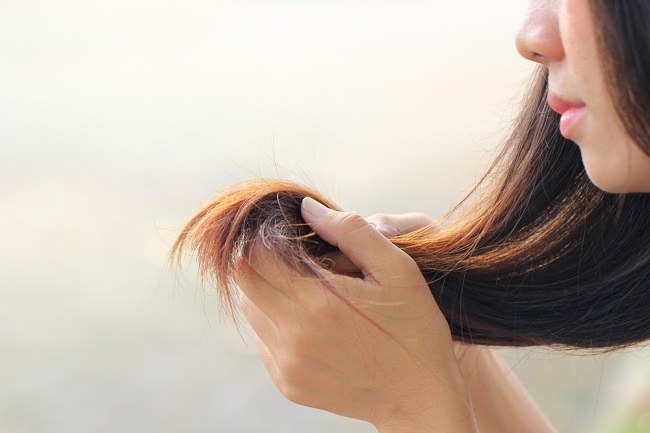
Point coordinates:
[(538, 255)]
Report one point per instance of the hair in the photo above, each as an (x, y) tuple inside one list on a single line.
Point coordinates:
[(623, 31), (539, 257)]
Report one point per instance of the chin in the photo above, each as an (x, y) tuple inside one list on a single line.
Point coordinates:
[(615, 185), (620, 169), (603, 179), (609, 188), (608, 177)]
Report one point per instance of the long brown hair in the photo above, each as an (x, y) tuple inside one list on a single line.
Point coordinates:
[(540, 257)]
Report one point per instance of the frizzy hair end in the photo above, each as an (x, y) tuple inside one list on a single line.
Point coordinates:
[(256, 210)]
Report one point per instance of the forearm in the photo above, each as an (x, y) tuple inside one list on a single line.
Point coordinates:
[(501, 403)]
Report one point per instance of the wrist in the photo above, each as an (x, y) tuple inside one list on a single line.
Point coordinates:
[(436, 405), (500, 402), (443, 418)]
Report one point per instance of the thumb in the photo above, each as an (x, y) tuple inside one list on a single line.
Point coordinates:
[(359, 241)]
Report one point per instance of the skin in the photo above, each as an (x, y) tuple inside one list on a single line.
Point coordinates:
[(366, 348), (354, 369), (559, 34), (377, 348)]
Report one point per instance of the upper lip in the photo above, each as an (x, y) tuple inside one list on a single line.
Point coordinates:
[(561, 105)]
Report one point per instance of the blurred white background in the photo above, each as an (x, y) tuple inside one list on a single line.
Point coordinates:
[(119, 118)]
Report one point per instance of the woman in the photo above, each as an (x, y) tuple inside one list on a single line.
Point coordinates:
[(555, 253)]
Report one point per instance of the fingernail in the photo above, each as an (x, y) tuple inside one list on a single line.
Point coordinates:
[(315, 208)]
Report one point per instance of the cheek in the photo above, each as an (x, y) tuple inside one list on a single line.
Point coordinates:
[(584, 72), (576, 19), (612, 159)]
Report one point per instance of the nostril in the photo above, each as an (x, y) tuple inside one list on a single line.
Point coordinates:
[(537, 57), (538, 38), (523, 47), (541, 45)]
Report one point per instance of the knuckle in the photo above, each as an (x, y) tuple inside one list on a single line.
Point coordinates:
[(322, 309), (379, 218), (406, 262), (351, 220), (295, 381), (298, 350), (291, 366), (292, 393), (327, 313), (385, 224), (290, 379)]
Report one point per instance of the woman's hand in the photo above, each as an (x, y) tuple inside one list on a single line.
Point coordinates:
[(375, 348), (501, 404)]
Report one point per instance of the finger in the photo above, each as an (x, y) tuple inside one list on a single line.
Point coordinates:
[(259, 290), (276, 274), (339, 264), (395, 225), (366, 248), (269, 362), (263, 326), (389, 226)]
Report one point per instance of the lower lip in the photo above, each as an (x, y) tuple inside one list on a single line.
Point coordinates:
[(569, 118)]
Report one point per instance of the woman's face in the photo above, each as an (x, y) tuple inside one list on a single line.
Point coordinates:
[(560, 35)]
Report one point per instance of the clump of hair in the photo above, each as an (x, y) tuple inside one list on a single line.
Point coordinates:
[(256, 210)]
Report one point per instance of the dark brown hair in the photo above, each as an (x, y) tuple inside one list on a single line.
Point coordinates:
[(623, 31), (540, 257)]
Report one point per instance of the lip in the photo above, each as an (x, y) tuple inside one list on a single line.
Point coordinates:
[(570, 111)]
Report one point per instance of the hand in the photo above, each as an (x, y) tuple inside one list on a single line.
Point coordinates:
[(500, 402), (375, 348), (389, 226)]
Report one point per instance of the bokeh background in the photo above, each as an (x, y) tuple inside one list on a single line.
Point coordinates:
[(119, 118)]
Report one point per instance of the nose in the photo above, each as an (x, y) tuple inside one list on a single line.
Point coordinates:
[(538, 38)]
